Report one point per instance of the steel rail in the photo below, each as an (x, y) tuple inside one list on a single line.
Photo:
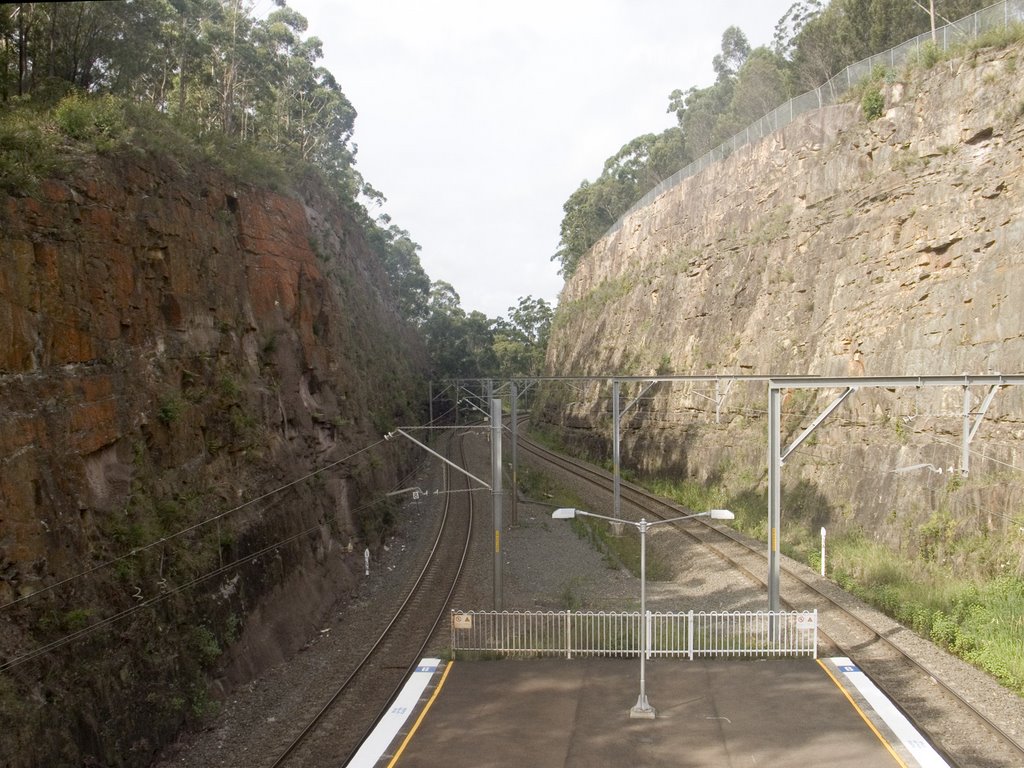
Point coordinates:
[(312, 725)]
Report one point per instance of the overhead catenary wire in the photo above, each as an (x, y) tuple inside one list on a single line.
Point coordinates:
[(102, 623), (138, 550), (981, 455), (168, 592), (159, 542), (438, 419), (986, 511), (934, 482), (678, 416)]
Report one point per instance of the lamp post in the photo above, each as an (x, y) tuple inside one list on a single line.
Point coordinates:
[(642, 709)]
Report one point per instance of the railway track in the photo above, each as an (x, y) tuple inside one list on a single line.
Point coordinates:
[(335, 732), (915, 674)]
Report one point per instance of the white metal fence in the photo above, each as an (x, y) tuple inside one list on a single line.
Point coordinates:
[(585, 633), (996, 16)]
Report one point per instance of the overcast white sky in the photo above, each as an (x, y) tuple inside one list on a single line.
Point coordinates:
[(478, 119)]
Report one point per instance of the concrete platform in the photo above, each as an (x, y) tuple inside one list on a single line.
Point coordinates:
[(575, 714)]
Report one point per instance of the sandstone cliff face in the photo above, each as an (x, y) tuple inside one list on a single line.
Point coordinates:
[(836, 247), (174, 346)]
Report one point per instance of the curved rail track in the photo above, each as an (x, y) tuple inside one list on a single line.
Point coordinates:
[(848, 627), (335, 732)]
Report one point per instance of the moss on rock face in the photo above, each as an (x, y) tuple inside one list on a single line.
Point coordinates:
[(144, 410)]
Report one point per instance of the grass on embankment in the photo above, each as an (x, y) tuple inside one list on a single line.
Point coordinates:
[(974, 608), (979, 618)]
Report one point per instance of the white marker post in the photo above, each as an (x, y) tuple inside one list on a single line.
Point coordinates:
[(823, 550)]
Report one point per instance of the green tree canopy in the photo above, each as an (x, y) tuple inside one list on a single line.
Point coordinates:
[(210, 64), (628, 175), (470, 345), (460, 346), (222, 77), (400, 256), (847, 31), (521, 340)]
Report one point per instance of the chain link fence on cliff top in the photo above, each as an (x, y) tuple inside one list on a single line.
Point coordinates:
[(994, 17)]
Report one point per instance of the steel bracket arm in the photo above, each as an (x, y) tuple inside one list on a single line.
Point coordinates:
[(639, 397), (432, 452), (814, 424), (971, 427)]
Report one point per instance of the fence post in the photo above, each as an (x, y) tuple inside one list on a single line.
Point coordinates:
[(689, 633), (814, 636), (568, 634), (647, 634)]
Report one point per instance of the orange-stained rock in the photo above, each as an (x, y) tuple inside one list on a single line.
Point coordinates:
[(144, 316), (170, 349), (93, 420)]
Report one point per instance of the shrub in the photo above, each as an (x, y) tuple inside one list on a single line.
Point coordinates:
[(170, 409), (944, 629), (872, 104), (96, 120), (1000, 37), (930, 55), (27, 151), (205, 646)]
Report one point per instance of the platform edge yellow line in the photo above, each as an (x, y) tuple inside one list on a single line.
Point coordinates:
[(863, 715), (423, 714)]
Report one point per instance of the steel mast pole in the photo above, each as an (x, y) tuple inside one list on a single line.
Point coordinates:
[(616, 473), (774, 494), (643, 709), (514, 417), (496, 496)]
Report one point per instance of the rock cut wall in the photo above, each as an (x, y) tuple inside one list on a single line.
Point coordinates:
[(173, 347), (835, 247)]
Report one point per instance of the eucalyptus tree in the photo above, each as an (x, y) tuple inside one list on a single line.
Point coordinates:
[(139, 62), (702, 112), (57, 44), (400, 256), (762, 84), (588, 213), (459, 345), (521, 340), (735, 50), (9, 53), (792, 22), (847, 31), (627, 176), (188, 47), (470, 345), (228, 78)]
